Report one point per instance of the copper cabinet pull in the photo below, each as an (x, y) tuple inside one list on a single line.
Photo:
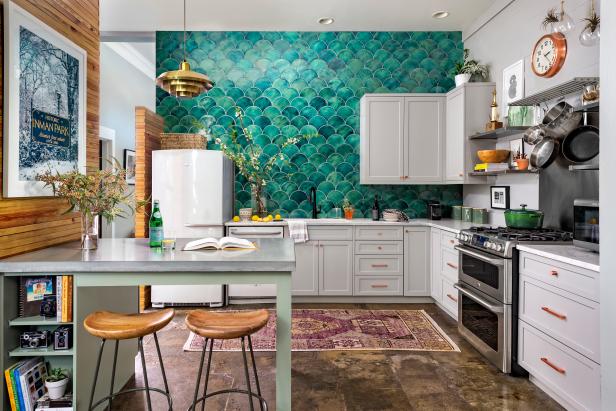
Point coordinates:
[(380, 265), (554, 313), (554, 273), (554, 367), (452, 241), (379, 286), (380, 248), (379, 233), (461, 175), (452, 298), (452, 266)]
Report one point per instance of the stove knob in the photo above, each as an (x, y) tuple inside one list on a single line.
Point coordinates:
[(499, 247), (487, 244)]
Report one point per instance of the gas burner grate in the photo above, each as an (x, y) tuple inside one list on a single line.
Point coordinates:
[(516, 234)]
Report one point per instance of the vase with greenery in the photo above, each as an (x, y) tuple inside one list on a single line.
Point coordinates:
[(467, 68), (56, 383), (97, 193), (251, 162)]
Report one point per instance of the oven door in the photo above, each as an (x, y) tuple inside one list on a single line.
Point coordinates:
[(486, 324), (485, 272)]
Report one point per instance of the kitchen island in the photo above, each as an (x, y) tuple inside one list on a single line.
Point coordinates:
[(107, 279)]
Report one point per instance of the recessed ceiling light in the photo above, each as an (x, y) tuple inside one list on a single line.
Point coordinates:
[(440, 14), (326, 20)]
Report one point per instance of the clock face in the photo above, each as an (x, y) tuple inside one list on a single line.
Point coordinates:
[(549, 55)]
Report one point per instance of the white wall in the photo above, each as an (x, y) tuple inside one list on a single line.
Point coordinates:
[(123, 87), (608, 206), (508, 36)]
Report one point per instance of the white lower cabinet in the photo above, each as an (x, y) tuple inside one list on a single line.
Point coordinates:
[(559, 330), (444, 270), (417, 261), (305, 278), (378, 285), (571, 378), (335, 268)]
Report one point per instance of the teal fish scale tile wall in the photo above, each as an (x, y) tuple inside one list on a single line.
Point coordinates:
[(290, 83)]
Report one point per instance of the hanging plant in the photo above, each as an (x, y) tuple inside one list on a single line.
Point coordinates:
[(550, 18), (590, 34)]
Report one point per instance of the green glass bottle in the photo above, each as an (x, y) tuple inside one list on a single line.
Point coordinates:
[(156, 226)]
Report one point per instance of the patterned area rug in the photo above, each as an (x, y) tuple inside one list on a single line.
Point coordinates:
[(342, 330)]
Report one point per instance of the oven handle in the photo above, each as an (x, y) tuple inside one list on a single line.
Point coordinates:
[(476, 298), (493, 261)]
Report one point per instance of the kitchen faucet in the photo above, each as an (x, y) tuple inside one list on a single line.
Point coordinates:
[(312, 198)]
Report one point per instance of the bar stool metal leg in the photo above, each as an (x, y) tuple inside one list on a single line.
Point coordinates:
[(160, 360), (145, 373), (207, 374), (98, 366), (254, 370), (194, 404), (252, 407), (113, 370)]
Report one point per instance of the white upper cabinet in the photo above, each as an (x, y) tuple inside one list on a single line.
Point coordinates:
[(382, 140), (467, 112), (402, 138)]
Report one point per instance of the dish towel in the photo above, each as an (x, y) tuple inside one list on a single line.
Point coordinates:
[(298, 230)]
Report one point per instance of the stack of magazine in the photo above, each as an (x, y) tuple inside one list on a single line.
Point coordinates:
[(25, 383)]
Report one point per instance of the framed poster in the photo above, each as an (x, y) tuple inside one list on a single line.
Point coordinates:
[(45, 103), (129, 166), (499, 197), (513, 85)]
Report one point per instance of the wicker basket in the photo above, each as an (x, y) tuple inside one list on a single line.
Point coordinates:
[(174, 141)]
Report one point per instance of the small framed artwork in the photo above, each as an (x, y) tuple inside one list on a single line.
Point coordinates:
[(499, 197), (129, 165), (513, 85), (516, 147)]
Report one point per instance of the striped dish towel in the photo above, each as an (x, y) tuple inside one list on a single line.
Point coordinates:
[(298, 230)]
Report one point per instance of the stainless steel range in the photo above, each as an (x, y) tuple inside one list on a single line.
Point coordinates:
[(488, 289)]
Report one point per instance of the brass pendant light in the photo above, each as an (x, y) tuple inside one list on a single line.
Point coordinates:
[(184, 83)]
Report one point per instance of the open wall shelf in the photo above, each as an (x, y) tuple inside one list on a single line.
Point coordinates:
[(499, 133), (575, 85), (35, 320), (500, 173), (44, 352)]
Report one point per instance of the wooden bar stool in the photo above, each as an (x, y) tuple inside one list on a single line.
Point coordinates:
[(116, 326), (224, 326)]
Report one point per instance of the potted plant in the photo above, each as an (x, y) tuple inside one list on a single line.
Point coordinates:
[(467, 68), (348, 209), (99, 192), (56, 383), (250, 159)]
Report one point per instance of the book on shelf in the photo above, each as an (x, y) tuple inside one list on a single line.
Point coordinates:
[(25, 383), (64, 403), (225, 243), (64, 298), (488, 167), (32, 291)]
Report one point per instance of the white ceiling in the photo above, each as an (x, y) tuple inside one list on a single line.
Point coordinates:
[(291, 15)]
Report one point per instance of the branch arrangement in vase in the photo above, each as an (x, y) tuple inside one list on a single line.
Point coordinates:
[(100, 192), (251, 162)]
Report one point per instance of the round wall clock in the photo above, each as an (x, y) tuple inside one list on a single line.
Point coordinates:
[(549, 55)]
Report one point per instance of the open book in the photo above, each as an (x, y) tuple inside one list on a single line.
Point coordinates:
[(225, 243)]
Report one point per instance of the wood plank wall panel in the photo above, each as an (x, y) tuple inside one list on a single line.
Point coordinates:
[(33, 223), (148, 126)]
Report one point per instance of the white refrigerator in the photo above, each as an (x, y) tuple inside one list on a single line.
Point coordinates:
[(195, 190)]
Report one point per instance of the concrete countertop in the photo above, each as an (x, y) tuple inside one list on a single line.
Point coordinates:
[(569, 254), (133, 255), (454, 226)]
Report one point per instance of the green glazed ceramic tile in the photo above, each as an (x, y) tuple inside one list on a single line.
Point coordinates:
[(290, 83)]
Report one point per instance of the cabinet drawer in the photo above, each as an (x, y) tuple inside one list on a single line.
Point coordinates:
[(576, 280), (256, 232), (378, 233), (573, 377), (330, 233), (379, 247), (450, 297), (379, 265), (377, 285), (448, 240), (449, 264), (570, 319)]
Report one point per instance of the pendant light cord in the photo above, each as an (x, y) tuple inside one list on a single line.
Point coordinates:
[(184, 30)]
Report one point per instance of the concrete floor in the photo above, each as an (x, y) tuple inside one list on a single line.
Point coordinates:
[(339, 380)]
